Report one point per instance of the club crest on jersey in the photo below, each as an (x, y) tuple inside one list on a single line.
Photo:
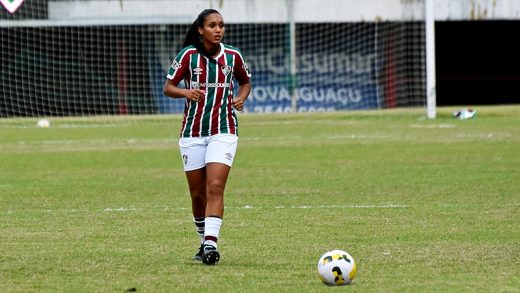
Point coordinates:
[(226, 69), (11, 5), (197, 71)]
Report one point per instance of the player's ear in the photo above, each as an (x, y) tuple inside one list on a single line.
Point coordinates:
[(201, 30)]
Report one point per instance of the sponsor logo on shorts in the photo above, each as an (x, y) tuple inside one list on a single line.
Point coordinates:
[(229, 156), (185, 159)]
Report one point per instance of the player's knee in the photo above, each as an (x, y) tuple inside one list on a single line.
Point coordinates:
[(198, 193), (215, 187)]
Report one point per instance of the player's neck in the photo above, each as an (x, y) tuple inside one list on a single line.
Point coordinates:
[(213, 50)]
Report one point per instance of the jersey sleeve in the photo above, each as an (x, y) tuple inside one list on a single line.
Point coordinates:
[(241, 70), (178, 67)]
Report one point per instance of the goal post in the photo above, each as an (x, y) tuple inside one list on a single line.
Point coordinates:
[(431, 92), (65, 60)]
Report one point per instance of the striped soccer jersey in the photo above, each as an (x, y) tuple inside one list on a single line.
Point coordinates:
[(214, 115)]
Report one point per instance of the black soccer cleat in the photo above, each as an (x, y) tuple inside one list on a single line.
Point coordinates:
[(210, 255), (198, 256)]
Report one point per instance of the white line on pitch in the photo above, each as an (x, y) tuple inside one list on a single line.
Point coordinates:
[(165, 209), (391, 206)]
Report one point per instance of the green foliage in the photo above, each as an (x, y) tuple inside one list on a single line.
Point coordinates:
[(422, 205)]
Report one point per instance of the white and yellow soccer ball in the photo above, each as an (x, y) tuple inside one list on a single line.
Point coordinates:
[(337, 268)]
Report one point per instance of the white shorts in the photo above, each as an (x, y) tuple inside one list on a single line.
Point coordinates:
[(196, 152)]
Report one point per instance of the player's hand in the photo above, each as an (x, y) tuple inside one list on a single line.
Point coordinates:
[(195, 95), (238, 103)]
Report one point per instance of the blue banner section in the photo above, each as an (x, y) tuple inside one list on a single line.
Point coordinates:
[(323, 83), (336, 69)]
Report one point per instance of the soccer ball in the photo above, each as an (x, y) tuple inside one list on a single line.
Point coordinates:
[(43, 123), (336, 268)]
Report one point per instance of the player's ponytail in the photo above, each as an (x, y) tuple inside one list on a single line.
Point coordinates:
[(192, 35)]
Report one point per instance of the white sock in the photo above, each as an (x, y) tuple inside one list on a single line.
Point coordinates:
[(212, 230)]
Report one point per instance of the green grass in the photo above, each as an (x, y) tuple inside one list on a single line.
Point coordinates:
[(93, 205)]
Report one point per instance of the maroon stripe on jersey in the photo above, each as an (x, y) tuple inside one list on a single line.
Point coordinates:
[(187, 84), (185, 118), (231, 118), (203, 77), (215, 123)]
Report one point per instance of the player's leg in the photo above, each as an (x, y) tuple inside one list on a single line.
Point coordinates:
[(193, 156), (220, 154), (197, 185), (219, 158), (216, 178)]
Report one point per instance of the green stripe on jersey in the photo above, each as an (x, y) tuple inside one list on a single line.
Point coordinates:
[(194, 60)]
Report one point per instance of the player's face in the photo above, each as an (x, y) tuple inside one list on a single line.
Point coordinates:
[(213, 30)]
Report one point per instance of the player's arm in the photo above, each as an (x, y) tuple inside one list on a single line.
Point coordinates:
[(171, 90), (243, 76), (243, 93)]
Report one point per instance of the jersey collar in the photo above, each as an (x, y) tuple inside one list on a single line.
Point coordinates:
[(221, 51)]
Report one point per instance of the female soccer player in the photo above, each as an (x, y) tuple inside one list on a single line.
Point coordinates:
[(208, 138)]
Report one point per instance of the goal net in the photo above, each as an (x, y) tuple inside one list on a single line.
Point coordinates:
[(56, 63)]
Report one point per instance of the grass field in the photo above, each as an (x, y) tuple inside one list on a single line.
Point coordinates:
[(422, 205)]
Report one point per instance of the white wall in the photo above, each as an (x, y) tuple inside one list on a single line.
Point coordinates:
[(239, 11)]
